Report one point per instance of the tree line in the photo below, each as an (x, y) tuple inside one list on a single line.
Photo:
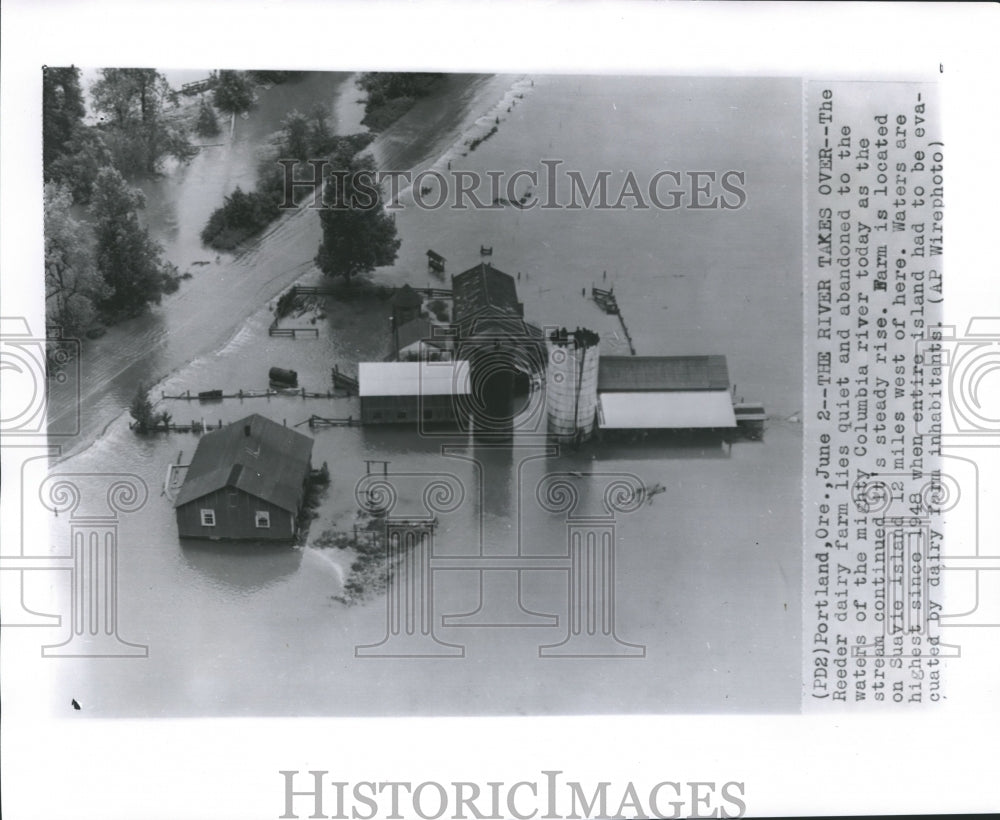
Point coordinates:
[(100, 262)]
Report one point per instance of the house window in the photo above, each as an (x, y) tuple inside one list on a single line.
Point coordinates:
[(262, 519), (208, 518)]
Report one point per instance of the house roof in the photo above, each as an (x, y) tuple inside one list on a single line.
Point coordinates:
[(484, 287), (665, 410), (630, 373), (418, 330), (406, 297), (269, 463), (413, 378)]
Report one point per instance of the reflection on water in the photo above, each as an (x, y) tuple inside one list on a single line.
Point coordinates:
[(240, 567)]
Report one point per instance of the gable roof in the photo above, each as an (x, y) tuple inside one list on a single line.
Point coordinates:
[(413, 378), (406, 297), (419, 330), (665, 410), (627, 373), (269, 463), (481, 287)]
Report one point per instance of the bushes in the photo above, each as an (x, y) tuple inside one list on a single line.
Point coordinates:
[(242, 216), (440, 310), (246, 214), (392, 94)]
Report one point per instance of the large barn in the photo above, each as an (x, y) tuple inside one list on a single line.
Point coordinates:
[(664, 393), (246, 482)]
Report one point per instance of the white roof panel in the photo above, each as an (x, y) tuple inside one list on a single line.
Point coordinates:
[(413, 378), (665, 410)]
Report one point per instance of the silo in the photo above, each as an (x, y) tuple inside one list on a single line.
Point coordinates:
[(571, 383)]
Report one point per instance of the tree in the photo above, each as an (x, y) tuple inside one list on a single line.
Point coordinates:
[(136, 131), (295, 136), (233, 92), (208, 123), (129, 261), (63, 110), (141, 410), (72, 281), (321, 138), (84, 157), (358, 236)]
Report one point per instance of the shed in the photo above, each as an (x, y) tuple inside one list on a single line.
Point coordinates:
[(246, 482), (411, 392), (419, 337)]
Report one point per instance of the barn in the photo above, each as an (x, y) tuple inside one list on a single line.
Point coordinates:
[(245, 482), (664, 393), (411, 392)]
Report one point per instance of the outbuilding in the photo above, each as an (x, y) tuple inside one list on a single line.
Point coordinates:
[(425, 392), (664, 393), (246, 481)]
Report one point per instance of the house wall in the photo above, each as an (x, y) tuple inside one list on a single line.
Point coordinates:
[(234, 518), (407, 409)]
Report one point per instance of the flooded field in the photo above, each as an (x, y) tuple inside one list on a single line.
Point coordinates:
[(707, 572)]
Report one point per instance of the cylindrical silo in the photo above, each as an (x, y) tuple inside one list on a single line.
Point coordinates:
[(571, 383)]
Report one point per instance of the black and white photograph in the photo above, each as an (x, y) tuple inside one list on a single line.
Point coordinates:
[(396, 393)]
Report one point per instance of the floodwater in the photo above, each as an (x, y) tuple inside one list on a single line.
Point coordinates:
[(707, 572), (227, 288)]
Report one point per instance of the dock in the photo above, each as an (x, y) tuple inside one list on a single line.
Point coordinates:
[(435, 261), (607, 302), (341, 381), (196, 87), (321, 421)]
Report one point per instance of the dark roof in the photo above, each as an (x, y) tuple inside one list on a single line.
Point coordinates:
[(625, 373), (271, 463), (418, 330), (513, 330), (406, 297), (484, 287)]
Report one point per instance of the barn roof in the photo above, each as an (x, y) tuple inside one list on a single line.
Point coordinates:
[(413, 378), (269, 463), (484, 287), (665, 410), (632, 373)]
